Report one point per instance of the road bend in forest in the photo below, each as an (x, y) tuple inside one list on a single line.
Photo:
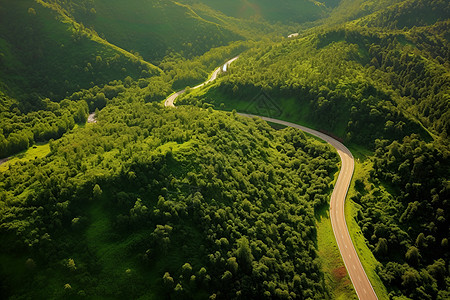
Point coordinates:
[(354, 267), (359, 278), (169, 101)]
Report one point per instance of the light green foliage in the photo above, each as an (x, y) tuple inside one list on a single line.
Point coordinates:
[(244, 253), (97, 192), (37, 151), (71, 264)]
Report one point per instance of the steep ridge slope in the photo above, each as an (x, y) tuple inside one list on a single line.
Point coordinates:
[(47, 53), (154, 28), (286, 11)]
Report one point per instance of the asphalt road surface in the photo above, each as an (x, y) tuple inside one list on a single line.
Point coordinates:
[(358, 276), (91, 118), (169, 101), (361, 283)]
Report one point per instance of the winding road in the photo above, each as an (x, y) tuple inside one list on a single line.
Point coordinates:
[(358, 276), (169, 101)]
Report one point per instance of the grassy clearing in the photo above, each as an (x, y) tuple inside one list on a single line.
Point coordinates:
[(260, 103), (35, 152), (368, 261), (336, 276), (360, 154)]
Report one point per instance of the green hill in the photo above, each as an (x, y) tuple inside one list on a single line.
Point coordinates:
[(189, 203), (46, 53), (409, 14), (152, 28), (285, 11), (381, 83), (403, 73), (178, 204)]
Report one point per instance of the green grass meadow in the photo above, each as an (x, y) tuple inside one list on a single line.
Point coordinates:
[(37, 151)]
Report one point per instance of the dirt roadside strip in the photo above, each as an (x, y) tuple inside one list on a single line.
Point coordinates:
[(358, 276)]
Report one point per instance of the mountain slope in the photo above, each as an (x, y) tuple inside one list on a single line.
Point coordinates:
[(151, 28), (405, 71), (44, 52), (285, 11)]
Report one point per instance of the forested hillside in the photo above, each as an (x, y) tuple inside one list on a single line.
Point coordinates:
[(289, 11), (191, 203), (380, 82), (355, 73), (182, 203), (152, 29), (45, 54)]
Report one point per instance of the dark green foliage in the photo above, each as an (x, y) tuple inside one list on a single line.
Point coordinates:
[(382, 83), (195, 204), (48, 53), (411, 222), (150, 29), (411, 13), (201, 202)]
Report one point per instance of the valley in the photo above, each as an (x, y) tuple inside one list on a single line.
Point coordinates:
[(309, 167)]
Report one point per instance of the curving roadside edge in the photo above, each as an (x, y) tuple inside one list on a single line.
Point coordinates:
[(358, 276)]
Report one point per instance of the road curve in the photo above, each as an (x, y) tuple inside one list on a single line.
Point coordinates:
[(358, 276), (169, 101)]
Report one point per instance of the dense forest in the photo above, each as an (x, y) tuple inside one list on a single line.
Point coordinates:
[(380, 82), (188, 203), (192, 203)]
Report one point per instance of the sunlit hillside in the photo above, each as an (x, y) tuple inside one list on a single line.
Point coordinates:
[(128, 170)]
